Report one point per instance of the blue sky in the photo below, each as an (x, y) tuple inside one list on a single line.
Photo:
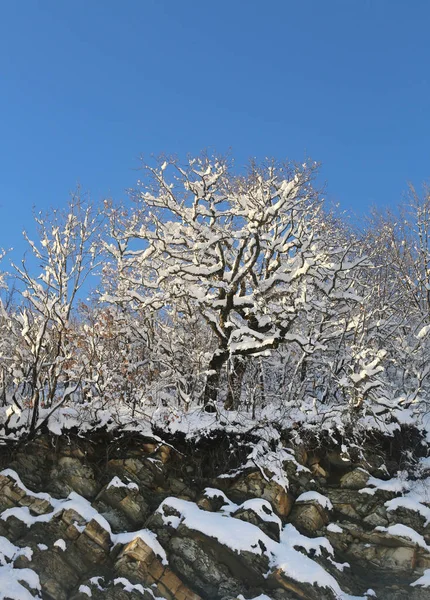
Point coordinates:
[(90, 85)]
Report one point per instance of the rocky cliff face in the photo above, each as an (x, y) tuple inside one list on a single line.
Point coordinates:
[(137, 518)]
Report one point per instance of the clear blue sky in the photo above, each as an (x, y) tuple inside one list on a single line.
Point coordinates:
[(88, 86)]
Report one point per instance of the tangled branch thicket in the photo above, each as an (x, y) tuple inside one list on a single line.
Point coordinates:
[(243, 295)]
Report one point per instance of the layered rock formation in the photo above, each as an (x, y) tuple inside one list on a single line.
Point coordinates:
[(82, 519)]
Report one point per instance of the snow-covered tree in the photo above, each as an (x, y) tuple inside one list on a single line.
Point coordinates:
[(43, 355), (399, 244), (2, 275), (254, 255), (116, 365)]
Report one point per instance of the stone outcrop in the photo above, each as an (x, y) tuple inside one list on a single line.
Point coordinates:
[(255, 485), (116, 530), (138, 561)]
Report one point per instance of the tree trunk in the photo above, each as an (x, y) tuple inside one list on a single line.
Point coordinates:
[(261, 385), (3, 388), (35, 416), (35, 400), (210, 394), (183, 387), (235, 383), (303, 370)]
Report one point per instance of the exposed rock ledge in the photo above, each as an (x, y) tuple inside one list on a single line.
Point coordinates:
[(138, 519)]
